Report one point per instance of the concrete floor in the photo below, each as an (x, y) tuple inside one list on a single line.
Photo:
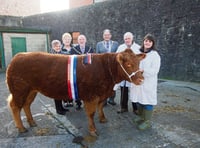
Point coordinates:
[(175, 123)]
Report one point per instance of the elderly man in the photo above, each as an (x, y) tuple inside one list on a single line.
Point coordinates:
[(81, 48), (106, 46), (128, 43)]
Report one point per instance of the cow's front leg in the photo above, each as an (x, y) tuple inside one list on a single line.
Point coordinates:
[(102, 118), (90, 108)]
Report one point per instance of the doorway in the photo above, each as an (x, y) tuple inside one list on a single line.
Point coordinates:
[(18, 45)]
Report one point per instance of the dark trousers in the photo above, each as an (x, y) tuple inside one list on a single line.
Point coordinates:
[(124, 98), (58, 104), (78, 103), (134, 105)]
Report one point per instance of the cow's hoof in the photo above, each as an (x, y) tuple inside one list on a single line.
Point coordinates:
[(32, 124), (94, 134), (22, 130), (103, 120)]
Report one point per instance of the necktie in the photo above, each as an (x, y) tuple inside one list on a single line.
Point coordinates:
[(82, 50), (107, 46)]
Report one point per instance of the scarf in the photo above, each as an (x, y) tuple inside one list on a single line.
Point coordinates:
[(142, 50)]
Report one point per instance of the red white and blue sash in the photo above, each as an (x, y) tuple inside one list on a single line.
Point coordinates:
[(71, 77)]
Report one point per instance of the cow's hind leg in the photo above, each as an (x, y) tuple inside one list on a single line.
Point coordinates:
[(16, 109), (27, 108), (90, 108), (102, 118)]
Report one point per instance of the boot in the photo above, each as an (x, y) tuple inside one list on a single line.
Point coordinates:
[(78, 104), (135, 108), (146, 124), (111, 100), (124, 101), (59, 108), (140, 117)]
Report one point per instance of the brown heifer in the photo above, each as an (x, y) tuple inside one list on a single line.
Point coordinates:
[(29, 73)]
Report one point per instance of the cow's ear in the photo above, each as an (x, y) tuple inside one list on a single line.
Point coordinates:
[(119, 58), (141, 56)]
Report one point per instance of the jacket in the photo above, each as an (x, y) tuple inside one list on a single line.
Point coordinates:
[(146, 93), (101, 47), (77, 50)]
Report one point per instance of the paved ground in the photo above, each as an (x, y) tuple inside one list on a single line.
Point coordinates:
[(176, 122)]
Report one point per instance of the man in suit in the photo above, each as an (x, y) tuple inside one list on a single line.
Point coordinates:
[(106, 46), (81, 48)]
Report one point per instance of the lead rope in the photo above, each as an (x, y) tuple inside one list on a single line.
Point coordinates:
[(132, 74)]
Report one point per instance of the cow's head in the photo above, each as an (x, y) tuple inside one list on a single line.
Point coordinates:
[(129, 63)]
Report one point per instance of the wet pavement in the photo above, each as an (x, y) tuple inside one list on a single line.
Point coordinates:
[(175, 123)]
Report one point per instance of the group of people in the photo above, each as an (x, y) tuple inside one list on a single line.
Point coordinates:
[(66, 48), (144, 96)]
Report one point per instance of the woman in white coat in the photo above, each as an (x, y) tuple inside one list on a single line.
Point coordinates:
[(146, 94)]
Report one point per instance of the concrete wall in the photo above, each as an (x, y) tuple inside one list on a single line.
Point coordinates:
[(175, 23), (34, 42)]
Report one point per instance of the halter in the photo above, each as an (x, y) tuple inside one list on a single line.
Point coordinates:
[(132, 74)]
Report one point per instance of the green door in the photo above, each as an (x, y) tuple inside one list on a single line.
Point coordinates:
[(18, 45)]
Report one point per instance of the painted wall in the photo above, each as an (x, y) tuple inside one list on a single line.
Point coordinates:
[(34, 42), (74, 4)]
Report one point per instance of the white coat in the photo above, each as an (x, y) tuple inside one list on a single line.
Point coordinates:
[(146, 93), (134, 47)]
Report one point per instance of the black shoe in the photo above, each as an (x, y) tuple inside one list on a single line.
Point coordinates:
[(63, 112), (78, 107), (111, 102), (123, 110), (105, 103), (59, 107)]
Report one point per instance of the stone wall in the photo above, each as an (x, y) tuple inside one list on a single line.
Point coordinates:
[(175, 23)]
